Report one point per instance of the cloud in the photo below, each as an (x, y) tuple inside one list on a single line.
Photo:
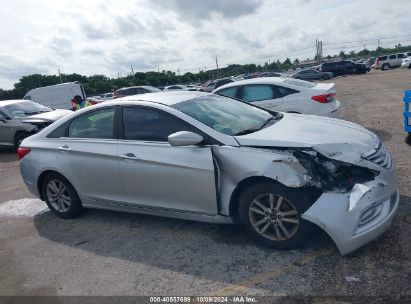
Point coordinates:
[(106, 37), (196, 11)]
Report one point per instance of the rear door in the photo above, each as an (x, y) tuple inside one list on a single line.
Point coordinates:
[(262, 95), (158, 175), (88, 155)]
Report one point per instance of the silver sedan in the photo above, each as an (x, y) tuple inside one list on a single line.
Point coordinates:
[(204, 157)]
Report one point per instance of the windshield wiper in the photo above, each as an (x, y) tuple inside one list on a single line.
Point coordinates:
[(247, 131), (252, 130), (34, 113)]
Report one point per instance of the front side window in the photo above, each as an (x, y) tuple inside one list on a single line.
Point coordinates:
[(393, 56), (150, 125), (229, 92), (253, 93), (226, 115), (401, 56), (97, 124)]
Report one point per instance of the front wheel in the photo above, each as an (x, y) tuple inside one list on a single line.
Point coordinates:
[(385, 67), (19, 138), (326, 77), (271, 213), (61, 197)]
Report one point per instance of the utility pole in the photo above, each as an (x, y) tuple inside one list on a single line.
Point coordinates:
[(132, 71), (378, 46), (216, 63), (319, 51), (61, 80)]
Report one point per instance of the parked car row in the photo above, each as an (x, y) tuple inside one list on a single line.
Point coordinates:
[(387, 62)]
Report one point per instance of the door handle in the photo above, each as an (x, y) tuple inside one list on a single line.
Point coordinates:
[(129, 156), (64, 148)]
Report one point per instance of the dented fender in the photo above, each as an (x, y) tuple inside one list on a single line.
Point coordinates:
[(235, 165)]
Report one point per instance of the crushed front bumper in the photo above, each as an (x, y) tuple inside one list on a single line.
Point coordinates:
[(366, 219)]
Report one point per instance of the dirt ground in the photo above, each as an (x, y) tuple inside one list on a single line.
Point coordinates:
[(109, 253)]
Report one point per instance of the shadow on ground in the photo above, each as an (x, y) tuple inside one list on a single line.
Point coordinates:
[(198, 249)]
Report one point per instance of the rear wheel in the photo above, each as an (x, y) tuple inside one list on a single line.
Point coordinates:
[(326, 77), (60, 196), (271, 213), (408, 139)]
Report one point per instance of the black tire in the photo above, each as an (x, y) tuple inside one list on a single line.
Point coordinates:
[(75, 207), (385, 67), (301, 201), (326, 77), (407, 139), (18, 138), (409, 66)]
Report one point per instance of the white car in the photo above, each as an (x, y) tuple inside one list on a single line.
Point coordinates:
[(285, 95), (406, 63)]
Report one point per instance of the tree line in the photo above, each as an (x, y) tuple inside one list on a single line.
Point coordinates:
[(98, 84)]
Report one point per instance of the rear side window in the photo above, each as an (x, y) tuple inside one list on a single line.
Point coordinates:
[(229, 92), (282, 91), (253, 93), (97, 124), (150, 125)]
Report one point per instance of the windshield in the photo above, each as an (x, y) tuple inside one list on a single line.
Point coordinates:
[(226, 115), (25, 108)]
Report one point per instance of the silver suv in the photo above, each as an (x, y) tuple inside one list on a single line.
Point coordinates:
[(389, 61), (22, 118)]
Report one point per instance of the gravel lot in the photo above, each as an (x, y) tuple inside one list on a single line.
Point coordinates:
[(108, 253)]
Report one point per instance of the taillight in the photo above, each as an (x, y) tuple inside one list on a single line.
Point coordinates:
[(21, 152), (325, 98)]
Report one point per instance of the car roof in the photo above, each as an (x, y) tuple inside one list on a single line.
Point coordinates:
[(12, 101), (166, 98), (259, 80), (132, 87)]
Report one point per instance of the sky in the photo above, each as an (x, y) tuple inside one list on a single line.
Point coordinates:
[(108, 37)]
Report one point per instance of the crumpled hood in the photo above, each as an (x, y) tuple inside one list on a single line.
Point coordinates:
[(334, 138), (47, 116)]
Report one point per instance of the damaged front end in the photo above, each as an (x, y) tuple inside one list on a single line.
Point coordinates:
[(357, 203), (332, 175), (39, 124)]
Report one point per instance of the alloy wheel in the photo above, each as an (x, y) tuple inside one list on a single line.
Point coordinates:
[(58, 195), (274, 217)]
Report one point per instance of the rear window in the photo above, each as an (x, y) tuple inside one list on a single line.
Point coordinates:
[(328, 64), (300, 83)]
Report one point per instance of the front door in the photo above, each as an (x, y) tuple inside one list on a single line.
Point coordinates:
[(158, 175)]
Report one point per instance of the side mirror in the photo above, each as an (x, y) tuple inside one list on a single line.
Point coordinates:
[(184, 138)]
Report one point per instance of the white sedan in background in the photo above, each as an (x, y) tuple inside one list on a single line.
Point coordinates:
[(285, 95)]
